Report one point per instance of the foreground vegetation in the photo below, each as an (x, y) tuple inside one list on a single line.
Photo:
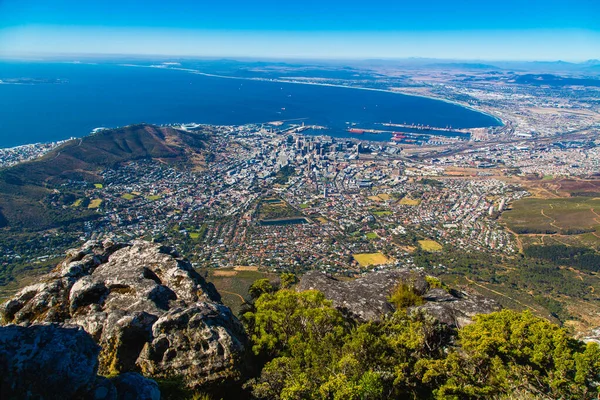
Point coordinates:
[(309, 350)]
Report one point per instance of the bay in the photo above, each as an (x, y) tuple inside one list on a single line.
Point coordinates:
[(110, 95)]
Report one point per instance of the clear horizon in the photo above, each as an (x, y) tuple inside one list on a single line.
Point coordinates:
[(461, 30)]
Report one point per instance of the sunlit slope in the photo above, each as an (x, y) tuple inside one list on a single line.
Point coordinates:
[(24, 188)]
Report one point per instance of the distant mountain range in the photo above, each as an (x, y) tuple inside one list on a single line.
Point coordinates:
[(554, 80), (472, 66), (590, 66)]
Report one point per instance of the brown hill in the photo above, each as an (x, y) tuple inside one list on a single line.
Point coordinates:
[(24, 187)]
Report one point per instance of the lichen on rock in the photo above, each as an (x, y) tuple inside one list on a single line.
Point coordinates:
[(138, 300)]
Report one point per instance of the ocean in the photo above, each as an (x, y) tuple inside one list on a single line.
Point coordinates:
[(109, 95)]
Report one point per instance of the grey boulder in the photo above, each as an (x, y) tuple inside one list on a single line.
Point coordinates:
[(46, 362), (138, 299), (133, 386), (366, 298)]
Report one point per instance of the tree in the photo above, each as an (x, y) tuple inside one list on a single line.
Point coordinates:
[(288, 280), (310, 350), (507, 352), (286, 319), (391, 348), (260, 287), (298, 335)]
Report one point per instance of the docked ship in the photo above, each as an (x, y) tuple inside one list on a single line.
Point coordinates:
[(356, 131), (398, 136)]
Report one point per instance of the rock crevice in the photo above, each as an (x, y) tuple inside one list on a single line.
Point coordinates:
[(146, 307)]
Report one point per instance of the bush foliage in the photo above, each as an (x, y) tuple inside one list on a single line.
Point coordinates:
[(404, 296), (310, 350)]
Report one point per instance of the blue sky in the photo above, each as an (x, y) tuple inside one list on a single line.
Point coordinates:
[(482, 29)]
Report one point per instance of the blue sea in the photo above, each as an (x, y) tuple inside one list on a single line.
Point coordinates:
[(110, 95)]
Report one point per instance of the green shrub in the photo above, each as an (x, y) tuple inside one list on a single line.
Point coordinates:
[(311, 351), (435, 283), (260, 287), (404, 296), (288, 280), (200, 396)]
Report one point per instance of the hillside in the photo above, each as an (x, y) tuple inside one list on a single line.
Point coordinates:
[(24, 188)]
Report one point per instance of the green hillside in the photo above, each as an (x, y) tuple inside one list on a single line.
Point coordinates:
[(25, 188)]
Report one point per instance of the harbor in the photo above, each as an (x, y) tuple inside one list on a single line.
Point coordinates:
[(413, 133)]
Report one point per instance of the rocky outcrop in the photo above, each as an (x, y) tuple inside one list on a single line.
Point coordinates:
[(457, 309), (592, 336), (104, 390), (366, 298), (134, 386), (146, 307), (46, 361), (54, 361), (199, 342)]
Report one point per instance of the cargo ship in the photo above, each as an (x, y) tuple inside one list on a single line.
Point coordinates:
[(356, 131), (398, 136)]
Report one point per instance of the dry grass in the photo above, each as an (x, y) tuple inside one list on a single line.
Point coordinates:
[(587, 315), (245, 268), (430, 245), (380, 197), (407, 201), (565, 216), (226, 272), (367, 259), (95, 203)]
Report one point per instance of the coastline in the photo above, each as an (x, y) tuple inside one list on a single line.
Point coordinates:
[(13, 155), (499, 120), (430, 97)]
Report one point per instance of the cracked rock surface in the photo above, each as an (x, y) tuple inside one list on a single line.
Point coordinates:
[(366, 297), (146, 307)]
